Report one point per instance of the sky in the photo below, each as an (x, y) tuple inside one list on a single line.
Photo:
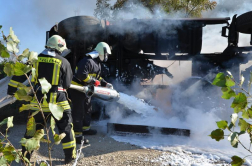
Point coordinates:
[(31, 19)]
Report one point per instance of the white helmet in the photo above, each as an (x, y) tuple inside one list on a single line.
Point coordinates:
[(104, 50), (56, 42)]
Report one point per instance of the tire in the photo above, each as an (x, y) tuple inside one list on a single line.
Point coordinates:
[(244, 23)]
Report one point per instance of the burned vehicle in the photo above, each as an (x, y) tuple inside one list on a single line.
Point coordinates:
[(136, 43)]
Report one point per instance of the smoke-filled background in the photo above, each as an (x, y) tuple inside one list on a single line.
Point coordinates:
[(192, 107)]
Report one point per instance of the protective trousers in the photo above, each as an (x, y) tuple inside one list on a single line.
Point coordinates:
[(64, 125), (81, 111)]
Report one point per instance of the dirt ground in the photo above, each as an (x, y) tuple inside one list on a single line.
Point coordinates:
[(103, 151)]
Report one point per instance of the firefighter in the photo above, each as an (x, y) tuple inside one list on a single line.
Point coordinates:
[(87, 72), (56, 69)]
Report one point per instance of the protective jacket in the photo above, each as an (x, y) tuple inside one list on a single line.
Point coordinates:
[(86, 71), (57, 71)]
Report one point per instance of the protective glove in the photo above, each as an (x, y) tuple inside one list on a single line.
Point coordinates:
[(108, 85), (96, 83)]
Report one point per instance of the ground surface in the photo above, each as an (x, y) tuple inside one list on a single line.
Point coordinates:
[(103, 151)]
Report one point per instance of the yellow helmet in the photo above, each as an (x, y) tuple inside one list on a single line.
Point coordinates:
[(104, 50), (56, 42)]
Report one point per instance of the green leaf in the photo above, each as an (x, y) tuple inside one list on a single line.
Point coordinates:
[(9, 69), (245, 114), (21, 69), (31, 127), (243, 125), (10, 122), (234, 118), (17, 158), (1, 26), (21, 94), (56, 110), (234, 138), (3, 51), (223, 81), (8, 153), (4, 121), (32, 144), (33, 73), (5, 54), (45, 85), (25, 107), (237, 161), (249, 112), (12, 46), (25, 54), (33, 57), (240, 102), (13, 36), (217, 134), (57, 138), (242, 132), (34, 113), (220, 80), (222, 124), (52, 125), (23, 141), (43, 164), (22, 86), (227, 93), (39, 134), (45, 140), (230, 126), (3, 161)]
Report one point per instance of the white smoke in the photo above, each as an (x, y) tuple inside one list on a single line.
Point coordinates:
[(193, 108)]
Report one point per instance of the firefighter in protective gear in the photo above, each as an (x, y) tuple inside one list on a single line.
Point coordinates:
[(57, 71), (87, 72)]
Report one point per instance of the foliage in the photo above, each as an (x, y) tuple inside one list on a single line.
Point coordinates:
[(191, 8), (103, 9), (242, 113), (22, 65)]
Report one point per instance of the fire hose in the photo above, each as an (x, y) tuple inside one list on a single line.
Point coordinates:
[(102, 93)]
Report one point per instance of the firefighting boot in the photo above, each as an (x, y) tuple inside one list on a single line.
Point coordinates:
[(69, 160), (89, 132), (80, 138)]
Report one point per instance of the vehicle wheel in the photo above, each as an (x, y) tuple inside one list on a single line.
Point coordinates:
[(244, 23)]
